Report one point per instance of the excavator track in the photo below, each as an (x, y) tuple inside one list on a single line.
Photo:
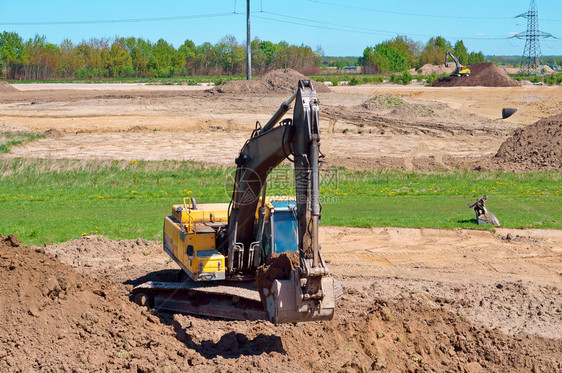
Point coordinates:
[(232, 302), (228, 301)]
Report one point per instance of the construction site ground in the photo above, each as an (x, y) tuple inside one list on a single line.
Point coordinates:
[(433, 128), (414, 299)]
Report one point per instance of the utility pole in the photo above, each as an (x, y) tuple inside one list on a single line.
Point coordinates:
[(248, 46)]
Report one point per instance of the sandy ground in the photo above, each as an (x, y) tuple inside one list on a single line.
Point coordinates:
[(481, 275), (404, 309), (124, 122), (532, 102)]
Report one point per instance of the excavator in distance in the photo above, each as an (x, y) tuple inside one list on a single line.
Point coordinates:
[(224, 248), (460, 70)]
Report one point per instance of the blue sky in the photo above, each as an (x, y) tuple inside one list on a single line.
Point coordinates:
[(339, 27)]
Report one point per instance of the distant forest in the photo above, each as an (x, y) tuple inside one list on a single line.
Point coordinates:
[(37, 59), (515, 60), (402, 53)]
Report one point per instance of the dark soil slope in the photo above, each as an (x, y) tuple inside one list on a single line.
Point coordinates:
[(481, 74), (534, 147)]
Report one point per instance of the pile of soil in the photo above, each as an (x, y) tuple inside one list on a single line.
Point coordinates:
[(381, 102), (513, 307), (433, 69), (5, 87), (279, 268), (274, 82), (534, 147), (118, 261), (52, 133), (57, 319), (547, 69), (370, 334), (481, 74), (412, 110)]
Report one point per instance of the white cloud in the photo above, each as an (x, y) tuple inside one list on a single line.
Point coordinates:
[(480, 34), (511, 33)]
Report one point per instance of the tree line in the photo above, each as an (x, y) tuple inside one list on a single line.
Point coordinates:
[(36, 58), (402, 53)]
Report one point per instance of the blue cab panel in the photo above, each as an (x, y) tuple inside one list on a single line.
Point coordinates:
[(284, 227)]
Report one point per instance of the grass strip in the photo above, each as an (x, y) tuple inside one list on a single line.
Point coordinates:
[(9, 139), (56, 200)]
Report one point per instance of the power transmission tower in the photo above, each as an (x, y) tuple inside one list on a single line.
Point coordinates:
[(531, 59)]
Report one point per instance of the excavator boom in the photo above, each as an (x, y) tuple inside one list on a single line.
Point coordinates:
[(460, 70), (307, 294)]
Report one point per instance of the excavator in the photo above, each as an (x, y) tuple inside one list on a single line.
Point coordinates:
[(257, 257), (460, 70)]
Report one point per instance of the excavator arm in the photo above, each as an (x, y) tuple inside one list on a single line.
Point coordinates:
[(454, 59), (460, 70), (308, 294)]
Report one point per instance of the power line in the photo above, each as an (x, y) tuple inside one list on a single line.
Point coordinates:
[(415, 14), (356, 29), (127, 20)]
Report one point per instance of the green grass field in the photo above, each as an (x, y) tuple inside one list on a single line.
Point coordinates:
[(53, 201), (9, 139)]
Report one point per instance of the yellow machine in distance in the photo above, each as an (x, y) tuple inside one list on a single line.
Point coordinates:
[(460, 70)]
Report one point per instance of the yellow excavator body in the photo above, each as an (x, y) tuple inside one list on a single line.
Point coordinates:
[(192, 244)]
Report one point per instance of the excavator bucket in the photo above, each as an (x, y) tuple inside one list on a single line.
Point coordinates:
[(284, 301)]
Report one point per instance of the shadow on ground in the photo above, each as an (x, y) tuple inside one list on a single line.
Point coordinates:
[(230, 346)]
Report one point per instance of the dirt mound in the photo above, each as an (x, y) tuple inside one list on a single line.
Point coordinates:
[(481, 74), (370, 334), (5, 87), (119, 261), (534, 147), (56, 319), (410, 110), (514, 307), (275, 81), (381, 102), (433, 69), (547, 69), (52, 134)]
